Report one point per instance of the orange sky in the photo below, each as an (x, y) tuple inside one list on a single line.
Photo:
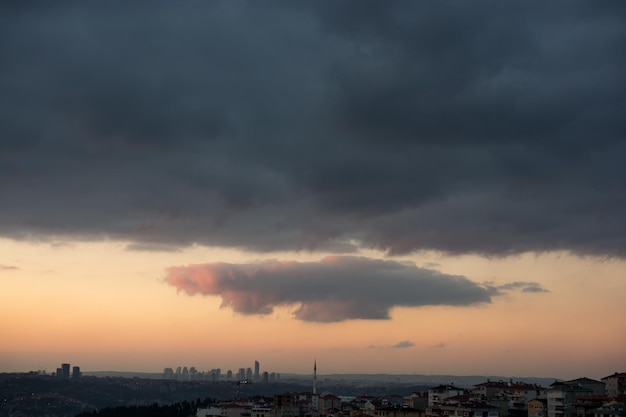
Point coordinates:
[(102, 307), (241, 181)]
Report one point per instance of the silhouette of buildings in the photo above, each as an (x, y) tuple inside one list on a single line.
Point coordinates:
[(64, 371), (215, 374)]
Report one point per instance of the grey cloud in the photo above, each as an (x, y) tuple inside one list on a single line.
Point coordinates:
[(335, 289), (400, 126), (533, 287), (152, 247), (403, 344), (440, 345), (8, 268)]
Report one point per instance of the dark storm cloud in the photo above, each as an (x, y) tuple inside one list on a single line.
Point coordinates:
[(335, 289), (463, 127)]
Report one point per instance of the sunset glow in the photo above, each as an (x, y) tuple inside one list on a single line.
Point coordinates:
[(398, 187)]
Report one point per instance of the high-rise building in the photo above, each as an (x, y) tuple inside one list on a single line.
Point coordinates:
[(257, 375), (314, 377), (76, 372), (242, 374), (249, 374), (315, 404), (65, 370)]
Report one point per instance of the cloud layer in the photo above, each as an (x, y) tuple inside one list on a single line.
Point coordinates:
[(400, 125), (335, 289)]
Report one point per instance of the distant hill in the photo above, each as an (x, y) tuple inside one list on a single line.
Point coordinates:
[(464, 381), (124, 374)]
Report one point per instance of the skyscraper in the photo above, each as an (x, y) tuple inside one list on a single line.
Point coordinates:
[(315, 403), (257, 375), (314, 376), (65, 370)]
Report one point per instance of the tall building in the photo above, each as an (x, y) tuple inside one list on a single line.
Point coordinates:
[(315, 399), (242, 374), (314, 377), (257, 375), (76, 372), (65, 370)]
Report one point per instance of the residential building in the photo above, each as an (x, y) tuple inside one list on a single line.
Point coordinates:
[(562, 399), (596, 387), (208, 412), (489, 389), (469, 409), (396, 412), (538, 407), (235, 409), (587, 405), (417, 400), (615, 386), (437, 395), (261, 412), (611, 409), (327, 402)]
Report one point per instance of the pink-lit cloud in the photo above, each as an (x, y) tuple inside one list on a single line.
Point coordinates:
[(334, 289)]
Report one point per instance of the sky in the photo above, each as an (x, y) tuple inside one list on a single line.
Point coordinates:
[(384, 187)]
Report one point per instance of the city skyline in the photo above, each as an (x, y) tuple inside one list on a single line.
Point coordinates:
[(389, 187)]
